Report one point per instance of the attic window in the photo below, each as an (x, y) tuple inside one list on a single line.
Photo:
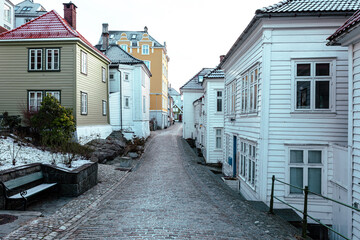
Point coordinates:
[(112, 36), (26, 9), (133, 36), (201, 78)]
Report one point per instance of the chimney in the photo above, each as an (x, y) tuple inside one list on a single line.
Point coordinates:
[(222, 58), (70, 14), (105, 36), (145, 29)]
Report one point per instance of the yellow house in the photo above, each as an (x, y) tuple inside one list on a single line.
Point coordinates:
[(144, 47)]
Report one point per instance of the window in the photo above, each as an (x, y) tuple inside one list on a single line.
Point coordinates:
[(35, 59), (103, 74), (313, 81), (306, 170), (35, 99), (52, 59), (144, 104), (147, 63), (7, 13), (26, 9), (231, 90), (104, 107), (219, 100), (218, 137), (112, 77), (84, 103), (124, 47), (126, 77), (83, 60), (249, 91), (55, 94), (127, 102), (145, 49), (248, 161), (133, 36)]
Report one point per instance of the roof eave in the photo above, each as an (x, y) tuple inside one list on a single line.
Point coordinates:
[(260, 15)]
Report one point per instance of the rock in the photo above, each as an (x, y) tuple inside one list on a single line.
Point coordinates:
[(106, 149), (133, 155)]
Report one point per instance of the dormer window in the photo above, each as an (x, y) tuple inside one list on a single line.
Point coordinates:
[(201, 79), (133, 36), (112, 36), (26, 9)]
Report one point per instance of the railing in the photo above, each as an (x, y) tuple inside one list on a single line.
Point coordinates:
[(304, 212)]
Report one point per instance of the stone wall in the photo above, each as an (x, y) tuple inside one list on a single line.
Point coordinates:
[(70, 183)]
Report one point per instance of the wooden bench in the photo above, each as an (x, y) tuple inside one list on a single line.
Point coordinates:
[(20, 184)]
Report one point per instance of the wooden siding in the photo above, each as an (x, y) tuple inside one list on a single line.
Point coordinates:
[(188, 114), (356, 139), (92, 84), (213, 120), (274, 45), (15, 80)]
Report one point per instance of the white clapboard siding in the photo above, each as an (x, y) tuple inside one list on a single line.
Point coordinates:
[(188, 112), (287, 40), (356, 139), (213, 119)]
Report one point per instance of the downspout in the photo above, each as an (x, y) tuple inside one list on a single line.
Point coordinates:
[(120, 90)]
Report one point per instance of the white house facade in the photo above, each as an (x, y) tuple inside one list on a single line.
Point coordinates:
[(7, 19), (191, 91), (286, 98), (26, 11), (348, 36), (129, 91), (209, 117)]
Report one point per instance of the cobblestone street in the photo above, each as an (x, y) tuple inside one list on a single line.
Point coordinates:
[(168, 196)]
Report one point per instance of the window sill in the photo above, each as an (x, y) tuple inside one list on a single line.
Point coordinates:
[(250, 114), (314, 114), (300, 197)]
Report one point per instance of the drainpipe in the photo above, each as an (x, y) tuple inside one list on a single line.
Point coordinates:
[(120, 90)]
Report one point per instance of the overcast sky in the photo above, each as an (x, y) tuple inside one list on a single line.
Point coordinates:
[(196, 32)]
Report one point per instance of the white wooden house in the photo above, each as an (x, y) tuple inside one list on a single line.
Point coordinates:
[(129, 91), (286, 103), (348, 35), (191, 91), (211, 117)]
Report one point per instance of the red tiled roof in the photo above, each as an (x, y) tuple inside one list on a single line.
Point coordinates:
[(352, 21), (2, 29), (48, 25)]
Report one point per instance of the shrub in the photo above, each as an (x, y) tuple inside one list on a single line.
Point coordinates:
[(10, 122), (54, 122)]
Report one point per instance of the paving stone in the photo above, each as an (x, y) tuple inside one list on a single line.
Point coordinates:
[(168, 196)]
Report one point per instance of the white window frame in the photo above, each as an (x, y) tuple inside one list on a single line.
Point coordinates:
[(7, 13), (38, 52), (312, 78), (55, 94), (104, 107), (221, 98), (145, 49), (37, 101), (83, 62), (84, 103), (248, 162), (124, 47), (249, 90), (126, 102), (305, 165), (103, 74), (53, 63), (217, 136)]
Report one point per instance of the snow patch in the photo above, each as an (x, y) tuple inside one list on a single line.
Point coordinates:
[(24, 154)]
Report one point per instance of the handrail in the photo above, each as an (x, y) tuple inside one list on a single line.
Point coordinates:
[(304, 212)]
